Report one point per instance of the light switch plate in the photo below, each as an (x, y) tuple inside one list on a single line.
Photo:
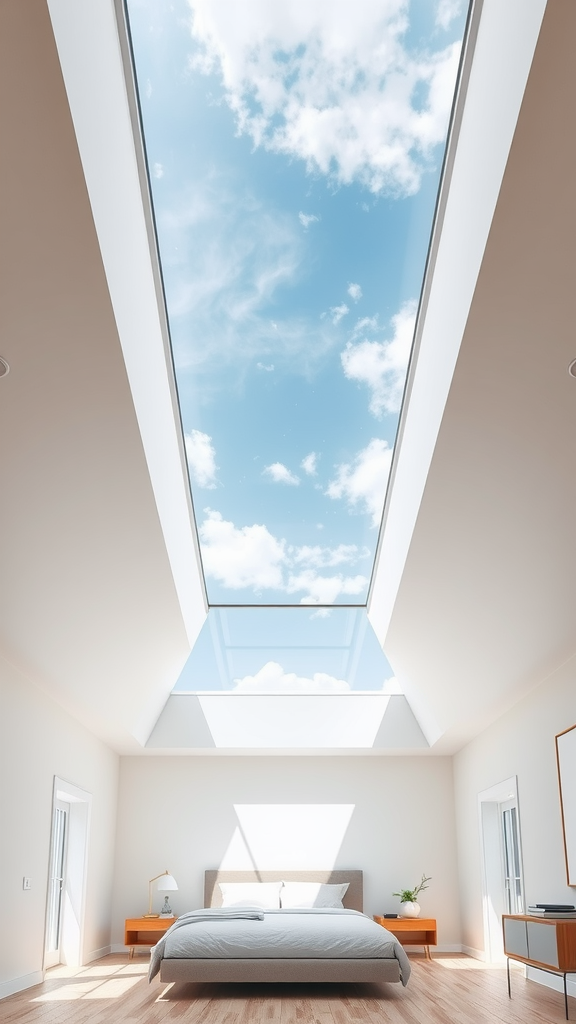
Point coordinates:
[(26, 883)]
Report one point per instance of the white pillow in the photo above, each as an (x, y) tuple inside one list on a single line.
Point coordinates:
[(312, 894), (265, 895)]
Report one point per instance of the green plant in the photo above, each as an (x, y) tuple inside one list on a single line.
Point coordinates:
[(411, 895)]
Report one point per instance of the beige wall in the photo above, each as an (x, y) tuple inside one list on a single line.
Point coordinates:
[(391, 816), (38, 740), (520, 743)]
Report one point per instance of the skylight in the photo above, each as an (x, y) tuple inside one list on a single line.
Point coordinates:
[(294, 153), (286, 650)]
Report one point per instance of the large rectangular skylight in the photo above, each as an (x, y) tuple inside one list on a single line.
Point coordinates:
[(294, 152), (286, 650)]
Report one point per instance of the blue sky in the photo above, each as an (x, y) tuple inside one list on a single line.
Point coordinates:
[(294, 153), (279, 650)]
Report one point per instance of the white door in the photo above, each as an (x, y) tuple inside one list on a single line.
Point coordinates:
[(56, 880), (513, 895), (502, 862)]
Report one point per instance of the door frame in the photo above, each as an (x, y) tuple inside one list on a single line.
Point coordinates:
[(492, 854), (74, 888)]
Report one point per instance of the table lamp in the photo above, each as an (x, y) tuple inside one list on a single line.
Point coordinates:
[(166, 883)]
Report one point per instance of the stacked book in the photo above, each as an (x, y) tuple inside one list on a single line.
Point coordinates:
[(552, 910)]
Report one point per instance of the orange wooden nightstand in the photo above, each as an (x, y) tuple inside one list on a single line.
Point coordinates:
[(411, 931), (145, 931)]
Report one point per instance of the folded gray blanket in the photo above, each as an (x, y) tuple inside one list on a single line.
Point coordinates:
[(192, 917)]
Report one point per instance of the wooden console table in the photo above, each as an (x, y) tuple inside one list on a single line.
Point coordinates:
[(411, 931), (546, 943), (145, 931)]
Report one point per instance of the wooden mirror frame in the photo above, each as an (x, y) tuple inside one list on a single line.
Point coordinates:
[(566, 761)]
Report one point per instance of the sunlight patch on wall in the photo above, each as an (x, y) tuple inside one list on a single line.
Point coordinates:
[(291, 836)]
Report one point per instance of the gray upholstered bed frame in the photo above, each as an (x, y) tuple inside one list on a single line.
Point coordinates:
[(279, 970), (353, 899)]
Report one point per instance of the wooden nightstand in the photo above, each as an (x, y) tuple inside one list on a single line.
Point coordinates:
[(145, 931), (411, 931)]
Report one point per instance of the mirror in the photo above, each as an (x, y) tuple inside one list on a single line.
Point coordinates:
[(566, 756)]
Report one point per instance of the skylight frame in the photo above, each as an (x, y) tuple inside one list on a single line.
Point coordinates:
[(472, 19), (472, 24)]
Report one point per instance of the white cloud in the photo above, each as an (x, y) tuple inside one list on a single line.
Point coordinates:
[(280, 474), (226, 257), (446, 11), (251, 557), (201, 458), (309, 464), (366, 323), (363, 482), (268, 369), (233, 250), (317, 557), (158, 170), (392, 686), (355, 292), (382, 364), (331, 85), (325, 589), (307, 218), (338, 312), (246, 557), (272, 678)]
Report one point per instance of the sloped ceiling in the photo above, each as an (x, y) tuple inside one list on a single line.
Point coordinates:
[(486, 605), (88, 604)]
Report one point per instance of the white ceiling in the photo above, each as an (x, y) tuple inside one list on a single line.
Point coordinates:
[(101, 595)]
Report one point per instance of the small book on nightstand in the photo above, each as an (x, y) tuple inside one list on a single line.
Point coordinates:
[(552, 910)]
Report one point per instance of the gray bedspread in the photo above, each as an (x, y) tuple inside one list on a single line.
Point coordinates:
[(307, 933)]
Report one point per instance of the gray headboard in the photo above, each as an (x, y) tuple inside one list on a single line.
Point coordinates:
[(353, 900)]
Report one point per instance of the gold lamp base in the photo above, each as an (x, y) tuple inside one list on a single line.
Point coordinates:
[(149, 915)]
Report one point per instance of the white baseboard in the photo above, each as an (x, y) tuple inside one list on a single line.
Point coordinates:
[(456, 947), (95, 954), (450, 947), (550, 981), (9, 988), (478, 954)]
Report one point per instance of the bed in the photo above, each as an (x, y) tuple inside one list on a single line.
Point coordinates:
[(294, 944)]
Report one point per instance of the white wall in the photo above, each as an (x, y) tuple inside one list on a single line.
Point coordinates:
[(391, 816), (38, 740), (520, 743)]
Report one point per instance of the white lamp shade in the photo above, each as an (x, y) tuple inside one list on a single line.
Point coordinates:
[(167, 883)]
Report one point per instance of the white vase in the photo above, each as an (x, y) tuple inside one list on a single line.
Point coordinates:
[(409, 909)]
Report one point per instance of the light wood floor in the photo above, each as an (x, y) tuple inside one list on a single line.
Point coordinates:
[(446, 990)]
